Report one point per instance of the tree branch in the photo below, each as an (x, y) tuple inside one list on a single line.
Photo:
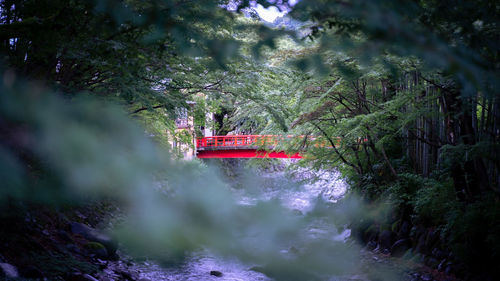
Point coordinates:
[(341, 157), (146, 108)]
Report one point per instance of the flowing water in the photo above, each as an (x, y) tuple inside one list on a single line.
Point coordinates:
[(293, 192)]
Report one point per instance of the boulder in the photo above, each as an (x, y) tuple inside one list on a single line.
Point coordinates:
[(404, 230), (8, 270), (216, 273), (63, 235), (371, 233), (426, 277), (442, 265), (431, 262), (420, 245), (449, 268), (432, 239), (415, 276), (408, 255), (371, 245), (439, 254), (416, 232), (97, 249), (386, 239), (93, 235), (400, 247), (127, 275)]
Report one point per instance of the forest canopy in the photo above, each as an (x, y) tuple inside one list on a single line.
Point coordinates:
[(405, 94)]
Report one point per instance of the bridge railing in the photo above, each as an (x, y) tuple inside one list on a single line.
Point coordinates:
[(237, 141), (265, 142)]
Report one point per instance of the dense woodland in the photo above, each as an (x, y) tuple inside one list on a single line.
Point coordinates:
[(404, 92)]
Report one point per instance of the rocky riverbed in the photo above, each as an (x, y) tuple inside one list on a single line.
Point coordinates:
[(67, 245)]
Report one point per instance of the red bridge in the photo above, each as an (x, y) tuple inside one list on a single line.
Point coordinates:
[(241, 146)]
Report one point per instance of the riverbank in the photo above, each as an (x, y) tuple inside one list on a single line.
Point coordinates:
[(71, 244), (47, 243), (44, 247)]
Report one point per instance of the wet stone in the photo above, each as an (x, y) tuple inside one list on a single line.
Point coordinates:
[(371, 245), (8, 270), (441, 265), (431, 262), (127, 275), (386, 239), (64, 236), (294, 250), (426, 277), (400, 247), (97, 249), (404, 231), (216, 273), (95, 236), (102, 264), (414, 276)]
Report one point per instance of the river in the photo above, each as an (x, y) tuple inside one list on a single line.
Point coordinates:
[(294, 191)]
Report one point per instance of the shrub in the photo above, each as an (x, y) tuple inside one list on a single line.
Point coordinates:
[(433, 201)]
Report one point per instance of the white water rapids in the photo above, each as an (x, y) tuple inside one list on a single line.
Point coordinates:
[(294, 191)]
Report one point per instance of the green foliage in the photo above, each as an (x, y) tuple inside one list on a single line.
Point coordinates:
[(200, 112), (72, 151), (55, 148), (434, 201), (94, 246), (473, 231), (57, 264), (451, 154), (409, 87), (407, 28), (159, 126), (405, 189)]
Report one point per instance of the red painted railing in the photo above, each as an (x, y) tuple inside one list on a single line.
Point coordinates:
[(237, 141), (266, 141), (255, 146)]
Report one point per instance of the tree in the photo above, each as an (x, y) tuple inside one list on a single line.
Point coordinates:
[(408, 86)]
